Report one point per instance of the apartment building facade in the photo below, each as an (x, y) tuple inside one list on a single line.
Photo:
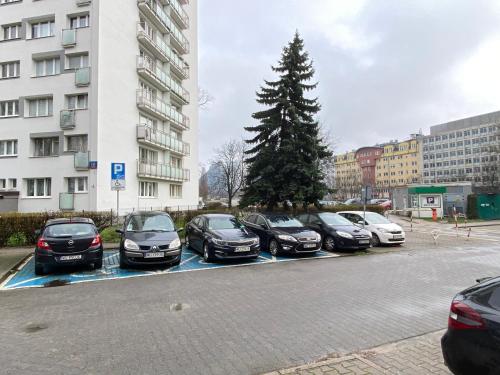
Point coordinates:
[(87, 83), (348, 174), (463, 150)]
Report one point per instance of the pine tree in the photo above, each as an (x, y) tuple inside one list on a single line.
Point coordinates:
[(284, 159)]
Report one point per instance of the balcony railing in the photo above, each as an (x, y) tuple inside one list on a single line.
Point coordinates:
[(148, 169), (166, 141), (82, 161), (82, 77), (68, 119), (69, 38), (163, 51), (158, 107), (179, 13)]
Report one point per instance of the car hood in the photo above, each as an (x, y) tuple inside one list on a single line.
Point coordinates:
[(294, 231), (151, 237), (351, 229), (232, 234), (390, 227)]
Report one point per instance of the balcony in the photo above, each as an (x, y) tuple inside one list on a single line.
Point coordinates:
[(82, 77), (82, 161), (179, 14), (68, 119), (150, 136), (177, 38), (162, 51), (148, 169), (69, 38), (160, 109), (82, 3)]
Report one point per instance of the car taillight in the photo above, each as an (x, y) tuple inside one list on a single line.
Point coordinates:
[(42, 244), (96, 241), (463, 316)]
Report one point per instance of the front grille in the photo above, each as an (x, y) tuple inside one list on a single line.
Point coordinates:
[(161, 247), (361, 236), (396, 232), (307, 239), (240, 243)]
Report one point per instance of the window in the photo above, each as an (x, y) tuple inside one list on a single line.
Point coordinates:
[(9, 1), (47, 67), (38, 187), (9, 108), (46, 146), (148, 189), (176, 191), (42, 29), (78, 61), (12, 183), (79, 21), (77, 143), (11, 32), (39, 107), (78, 101), (9, 70), (8, 148), (77, 184), (148, 156)]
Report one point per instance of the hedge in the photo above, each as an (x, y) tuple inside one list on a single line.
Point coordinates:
[(18, 229)]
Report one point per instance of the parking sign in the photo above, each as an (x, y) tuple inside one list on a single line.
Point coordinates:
[(118, 176)]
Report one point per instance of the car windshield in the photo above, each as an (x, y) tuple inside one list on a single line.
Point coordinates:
[(70, 230), (374, 218), (284, 222), (334, 219), (224, 222), (150, 223)]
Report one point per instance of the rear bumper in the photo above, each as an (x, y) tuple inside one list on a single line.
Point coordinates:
[(137, 258), (54, 259)]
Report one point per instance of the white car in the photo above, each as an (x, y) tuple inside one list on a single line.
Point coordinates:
[(383, 230)]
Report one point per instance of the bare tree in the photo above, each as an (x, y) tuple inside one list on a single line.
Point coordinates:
[(229, 159), (327, 165), (205, 99)]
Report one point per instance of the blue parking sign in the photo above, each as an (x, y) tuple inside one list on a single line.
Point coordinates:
[(118, 171)]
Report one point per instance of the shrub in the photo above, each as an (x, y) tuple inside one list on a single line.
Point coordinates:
[(17, 239), (109, 235)]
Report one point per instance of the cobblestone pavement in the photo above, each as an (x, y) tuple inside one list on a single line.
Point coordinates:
[(419, 355), (240, 320)]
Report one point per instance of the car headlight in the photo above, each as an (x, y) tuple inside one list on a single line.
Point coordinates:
[(286, 237), (175, 244), (219, 242), (318, 236), (256, 241), (130, 245), (345, 235)]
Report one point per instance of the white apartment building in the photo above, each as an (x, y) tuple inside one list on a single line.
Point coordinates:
[(85, 83)]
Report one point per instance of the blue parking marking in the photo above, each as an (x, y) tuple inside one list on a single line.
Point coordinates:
[(191, 261)]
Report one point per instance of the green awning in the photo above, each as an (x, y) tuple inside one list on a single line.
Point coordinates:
[(427, 190)]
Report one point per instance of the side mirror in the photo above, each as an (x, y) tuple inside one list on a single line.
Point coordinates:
[(179, 230), (119, 231)]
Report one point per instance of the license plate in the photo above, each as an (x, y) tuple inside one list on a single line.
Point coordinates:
[(398, 236), (242, 249), (70, 257), (363, 242), (154, 255), (309, 245)]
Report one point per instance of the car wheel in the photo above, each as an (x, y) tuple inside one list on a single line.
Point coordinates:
[(207, 257), (375, 240), (329, 243), (273, 247), (39, 269), (98, 264), (123, 263)]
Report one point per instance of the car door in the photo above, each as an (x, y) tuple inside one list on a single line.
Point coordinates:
[(195, 233), (263, 229)]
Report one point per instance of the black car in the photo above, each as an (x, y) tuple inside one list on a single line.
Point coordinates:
[(64, 242), (336, 231), (471, 344), (149, 238), (220, 236), (280, 233)]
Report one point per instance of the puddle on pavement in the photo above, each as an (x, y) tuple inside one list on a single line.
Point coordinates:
[(55, 283), (35, 327), (174, 307)]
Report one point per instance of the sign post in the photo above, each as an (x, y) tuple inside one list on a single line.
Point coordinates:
[(366, 193), (117, 182)]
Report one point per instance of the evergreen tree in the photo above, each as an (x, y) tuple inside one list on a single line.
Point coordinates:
[(284, 159)]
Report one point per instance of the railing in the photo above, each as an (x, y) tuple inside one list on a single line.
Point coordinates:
[(179, 12), (82, 77), (69, 37), (82, 161), (150, 169), (155, 71), (150, 135), (165, 50), (68, 119), (144, 99)]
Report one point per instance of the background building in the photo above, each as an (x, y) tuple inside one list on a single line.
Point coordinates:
[(84, 83), (348, 180), (464, 150)]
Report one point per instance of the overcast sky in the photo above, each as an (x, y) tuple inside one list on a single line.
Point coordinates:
[(385, 68)]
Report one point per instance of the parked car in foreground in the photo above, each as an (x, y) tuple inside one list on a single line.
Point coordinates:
[(336, 231), (280, 233), (383, 231), (221, 236), (149, 238), (64, 242), (471, 345)]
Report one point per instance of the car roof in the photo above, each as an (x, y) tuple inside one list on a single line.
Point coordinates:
[(67, 220), (275, 214), (216, 215)]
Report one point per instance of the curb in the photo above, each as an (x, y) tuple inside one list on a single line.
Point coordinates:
[(14, 269)]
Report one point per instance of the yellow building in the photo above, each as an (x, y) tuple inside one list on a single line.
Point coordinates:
[(348, 180), (400, 164)]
